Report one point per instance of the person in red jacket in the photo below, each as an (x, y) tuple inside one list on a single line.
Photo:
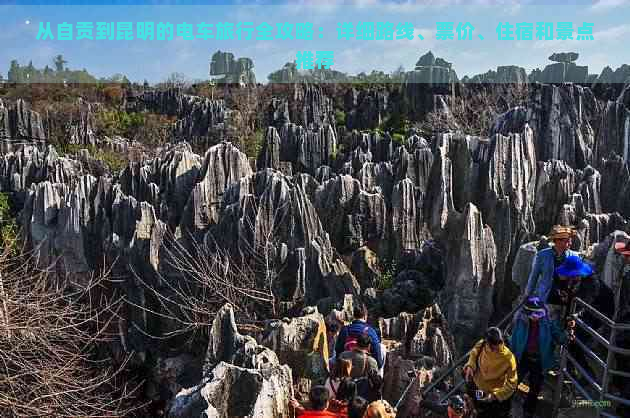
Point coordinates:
[(319, 401)]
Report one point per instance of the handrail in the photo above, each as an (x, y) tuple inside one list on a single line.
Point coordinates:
[(602, 388), (435, 382), (595, 312)]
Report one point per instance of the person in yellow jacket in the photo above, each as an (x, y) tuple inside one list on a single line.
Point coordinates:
[(492, 368)]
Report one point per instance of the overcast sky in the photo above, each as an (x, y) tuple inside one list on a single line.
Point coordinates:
[(154, 60)]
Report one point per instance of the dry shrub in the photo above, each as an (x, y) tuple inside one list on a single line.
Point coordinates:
[(49, 335)]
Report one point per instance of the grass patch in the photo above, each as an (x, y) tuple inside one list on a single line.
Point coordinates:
[(8, 225)]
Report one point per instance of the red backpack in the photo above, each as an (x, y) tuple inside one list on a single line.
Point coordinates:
[(351, 339)]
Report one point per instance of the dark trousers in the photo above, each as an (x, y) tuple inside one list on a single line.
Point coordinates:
[(495, 409), (530, 365)]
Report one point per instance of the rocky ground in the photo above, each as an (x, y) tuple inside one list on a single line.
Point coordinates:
[(431, 228)]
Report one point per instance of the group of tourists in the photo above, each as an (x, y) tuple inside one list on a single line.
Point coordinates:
[(354, 388), (496, 365)]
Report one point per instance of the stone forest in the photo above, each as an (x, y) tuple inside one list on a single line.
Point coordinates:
[(190, 250)]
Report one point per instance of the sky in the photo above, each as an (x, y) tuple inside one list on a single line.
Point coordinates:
[(155, 60)]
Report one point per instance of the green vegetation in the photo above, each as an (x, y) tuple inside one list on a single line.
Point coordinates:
[(60, 74), (386, 279), (398, 138), (113, 160), (340, 117), (8, 225), (253, 146), (118, 122), (397, 124)]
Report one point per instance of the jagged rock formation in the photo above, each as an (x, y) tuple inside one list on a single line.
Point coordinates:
[(431, 76), (82, 131), (505, 74), (241, 378), (332, 214), (234, 71), (305, 149), (564, 70), (287, 74), (564, 56), (423, 339), (470, 280), (199, 118), (18, 121), (365, 109), (562, 119), (301, 343), (268, 208), (310, 107)]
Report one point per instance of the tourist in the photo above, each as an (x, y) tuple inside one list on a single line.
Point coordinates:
[(533, 342), (456, 407), (622, 339), (347, 338), (491, 369), (362, 362), (380, 409), (575, 279), (340, 370), (541, 277), (357, 407), (318, 404), (332, 331), (345, 394), (371, 388)]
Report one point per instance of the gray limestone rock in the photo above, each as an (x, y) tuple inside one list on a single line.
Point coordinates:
[(470, 277), (240, 378), (564, 56), (301, 343), (234, 71), (562, 119)]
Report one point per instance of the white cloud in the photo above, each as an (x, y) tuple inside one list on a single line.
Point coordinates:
[(616, 33), (606, 5), (544, 44), (385, 55)]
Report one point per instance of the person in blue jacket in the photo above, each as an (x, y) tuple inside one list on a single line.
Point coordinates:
[(541, 277), (347, 338), (533, 341)]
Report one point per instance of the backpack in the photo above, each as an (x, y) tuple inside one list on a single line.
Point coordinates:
[(351, 339)]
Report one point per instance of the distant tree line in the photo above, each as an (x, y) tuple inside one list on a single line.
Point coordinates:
[(290, 73), (59, 74)]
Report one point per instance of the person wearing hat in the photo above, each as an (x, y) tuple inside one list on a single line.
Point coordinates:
[(541, 277), (456, 407), (575, 279), (533, 340), (623, 249), (492, 375)]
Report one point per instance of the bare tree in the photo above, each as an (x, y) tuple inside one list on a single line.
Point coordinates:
[(245, 101), (48, 338), (210, 275), (177, 80)]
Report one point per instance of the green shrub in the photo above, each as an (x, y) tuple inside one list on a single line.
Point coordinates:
[(253, 146), (116, 122), (340, 117), (387, 277), (399, 138), (113, 160)]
